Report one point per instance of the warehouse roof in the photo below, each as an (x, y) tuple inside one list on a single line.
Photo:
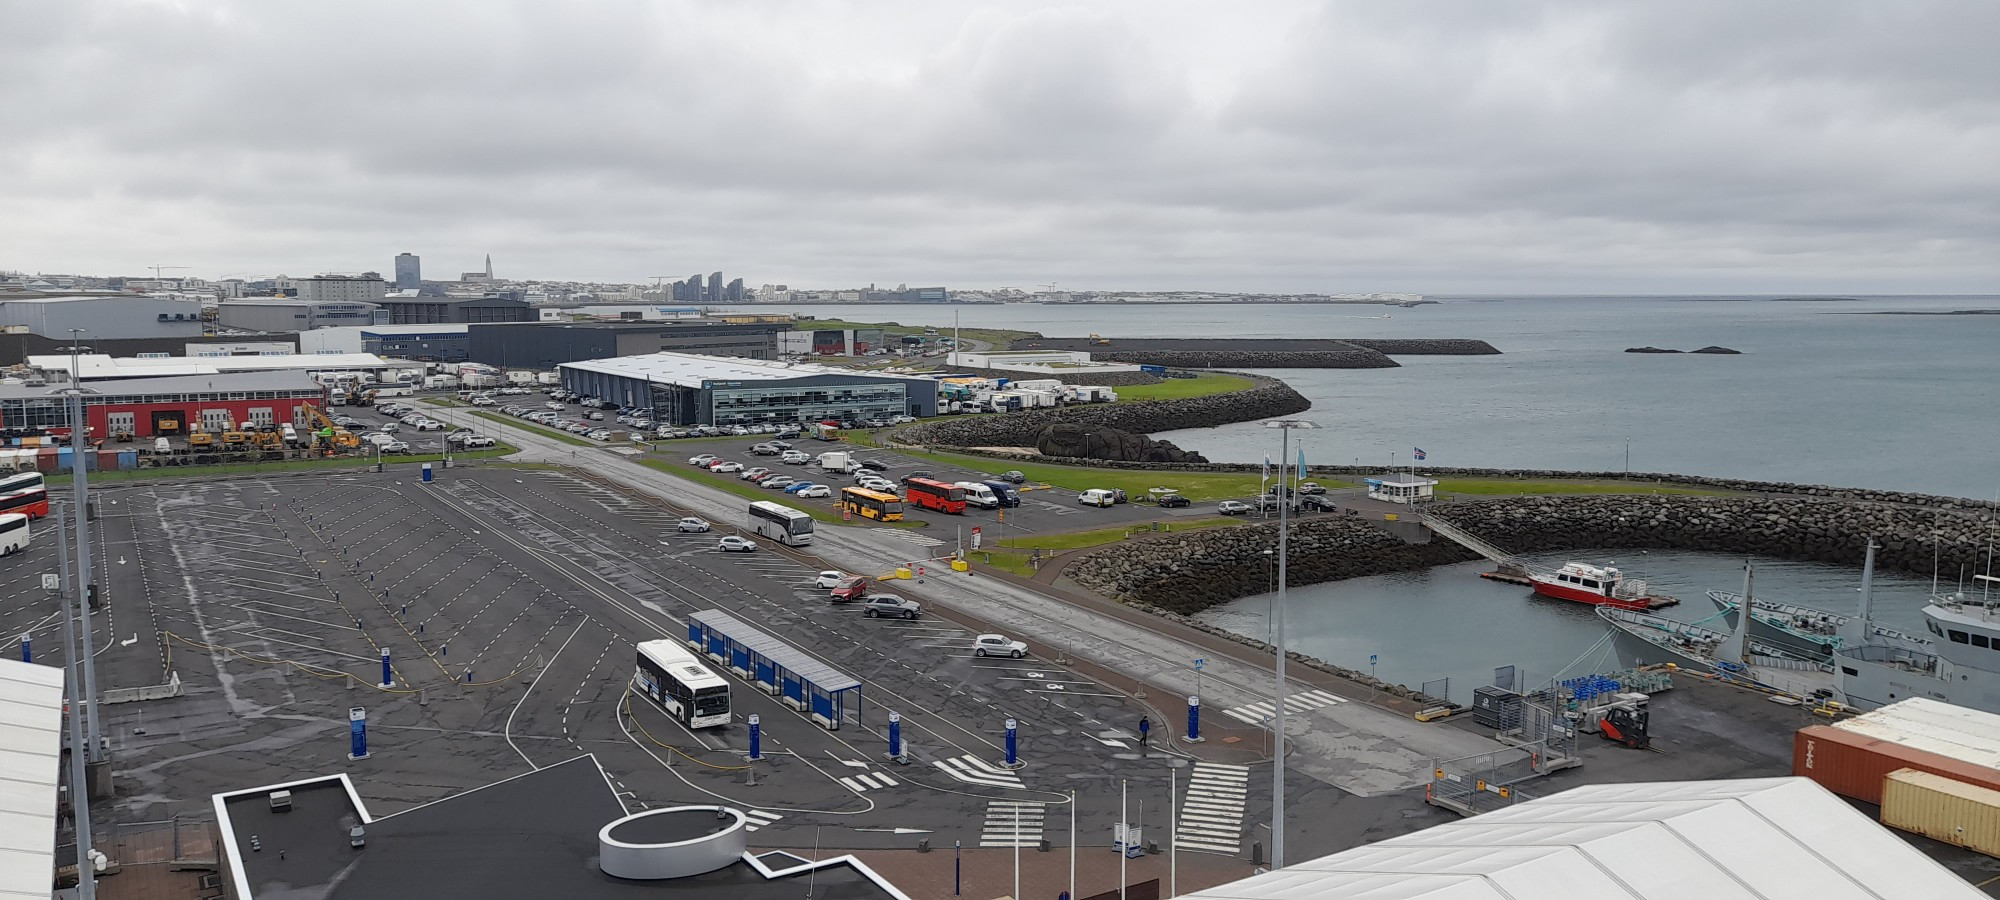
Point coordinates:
[(289, 301), (1968, 735), (227, 382), (690, 369), (98, 366), (1753, 839), (31, 756)]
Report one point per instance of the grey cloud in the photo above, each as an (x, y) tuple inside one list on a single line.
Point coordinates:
[(1707, 145)]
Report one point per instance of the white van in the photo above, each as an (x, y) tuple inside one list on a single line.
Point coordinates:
[(979, 495), (1097, 497)]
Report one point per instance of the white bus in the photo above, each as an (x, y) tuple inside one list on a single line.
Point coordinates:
[(13, 533), (21, 482), (673, 678), (781, 523)]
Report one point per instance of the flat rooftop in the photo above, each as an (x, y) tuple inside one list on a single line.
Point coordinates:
[(97, 366), (233, 382), (690, 369)]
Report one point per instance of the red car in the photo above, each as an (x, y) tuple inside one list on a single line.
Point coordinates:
[(851, 588)]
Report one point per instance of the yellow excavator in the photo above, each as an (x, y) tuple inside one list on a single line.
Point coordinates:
[(199, 438), (326, 435), (233, 438), (268, 437)]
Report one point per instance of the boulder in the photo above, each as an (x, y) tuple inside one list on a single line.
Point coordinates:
[(1100, 442), (1722, 351)]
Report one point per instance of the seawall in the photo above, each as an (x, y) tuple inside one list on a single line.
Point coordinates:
[(1262, 353)]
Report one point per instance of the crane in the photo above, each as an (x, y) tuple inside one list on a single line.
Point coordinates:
[(156, 269)]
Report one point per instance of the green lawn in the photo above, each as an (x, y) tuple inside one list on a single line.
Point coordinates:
[(441, 401), (1496, 487), (1077, 540), (1196, 486), (279, 466), (526, 425), (1201, 385)]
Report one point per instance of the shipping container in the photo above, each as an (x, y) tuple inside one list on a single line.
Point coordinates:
[(1855, 765), (1939, 808), (45, 460), (1967, 735)]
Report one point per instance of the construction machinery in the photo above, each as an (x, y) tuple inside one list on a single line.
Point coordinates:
[(234, 438), (267, 437), (199, 438), (328, 436), (1627, 726)]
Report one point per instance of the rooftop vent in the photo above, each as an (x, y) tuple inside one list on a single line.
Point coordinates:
[(281, 801)]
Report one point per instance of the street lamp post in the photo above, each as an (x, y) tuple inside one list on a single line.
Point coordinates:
[(85, 574), (1285, 426)]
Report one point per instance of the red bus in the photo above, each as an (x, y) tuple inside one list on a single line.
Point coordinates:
[(33, 503), (929, 494)]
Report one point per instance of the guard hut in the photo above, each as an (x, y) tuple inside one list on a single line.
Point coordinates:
[(803, 683), (1401, 488)]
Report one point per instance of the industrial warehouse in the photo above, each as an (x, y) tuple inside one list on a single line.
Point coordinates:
[(168, 407), (685, 389)]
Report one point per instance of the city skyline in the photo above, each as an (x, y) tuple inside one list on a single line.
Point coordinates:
[(1558, 147)]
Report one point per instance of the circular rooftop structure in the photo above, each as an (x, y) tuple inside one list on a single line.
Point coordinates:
[(671, 843)]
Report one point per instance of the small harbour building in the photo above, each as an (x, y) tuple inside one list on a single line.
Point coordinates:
[(1401, 488), (691, 389)]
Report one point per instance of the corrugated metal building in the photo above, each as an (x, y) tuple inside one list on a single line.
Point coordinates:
[(287, 314), (546, 345), (687, 389), (115, 316), (31, 754), (1754, 839)]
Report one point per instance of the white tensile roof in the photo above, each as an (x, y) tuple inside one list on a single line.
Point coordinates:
[(31, 701), (1964, 734), (1753, 839)]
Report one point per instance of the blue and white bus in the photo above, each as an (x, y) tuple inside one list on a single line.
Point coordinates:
[(679, 684), (781, 523), (13, 533)]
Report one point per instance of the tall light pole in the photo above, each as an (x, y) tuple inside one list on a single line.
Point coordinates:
[(1278, 629), (85, 575)]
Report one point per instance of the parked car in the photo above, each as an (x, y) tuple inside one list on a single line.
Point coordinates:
[(998, 645), (552, 405), (1098, 497), (1233, 507), (828, 579), (799, 487), (795, 457), (781, 445), (733, 544), (1013, 476), (890, 606), (920, 473), (693, 525), (393, 447), (430, 425), (1318, 503), (598, 434), (875, 465), (816, 490), (754, 473), (726, 467), (1311, 487), (778, 481), (476, 441), (764, 450), (1174, 501), (849, 588)]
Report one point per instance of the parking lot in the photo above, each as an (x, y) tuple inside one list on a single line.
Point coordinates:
[(511, 601)]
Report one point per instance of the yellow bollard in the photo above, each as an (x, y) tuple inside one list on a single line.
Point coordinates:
[(959, 565)]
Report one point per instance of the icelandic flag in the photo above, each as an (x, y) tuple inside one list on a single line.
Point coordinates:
[(1420, 453)]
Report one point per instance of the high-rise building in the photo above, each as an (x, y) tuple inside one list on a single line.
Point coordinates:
[(409, 272), (694, 288), (734, 292), (715, 287)]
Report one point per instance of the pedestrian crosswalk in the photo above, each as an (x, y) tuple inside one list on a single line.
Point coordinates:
[(759, 818), (1211, 815), (1256, 713), (869, 781), (921, 540), (1012, 823), (973, 770)]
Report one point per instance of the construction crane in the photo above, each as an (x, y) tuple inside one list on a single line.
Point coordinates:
[(156, 270)]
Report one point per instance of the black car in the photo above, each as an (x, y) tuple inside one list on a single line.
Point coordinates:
[(874, 465), (1013, 476), (782, 445), (1317, 502), (920, 473), (1175, 501)]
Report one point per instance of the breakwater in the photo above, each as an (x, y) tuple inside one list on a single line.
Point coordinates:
[(1267, 399), (1262, 353)]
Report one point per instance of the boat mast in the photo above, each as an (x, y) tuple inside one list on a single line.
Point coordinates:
[(1737, 648)]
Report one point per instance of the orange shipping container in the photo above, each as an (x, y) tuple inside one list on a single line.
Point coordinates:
[(1854, 765), (1942, 809)]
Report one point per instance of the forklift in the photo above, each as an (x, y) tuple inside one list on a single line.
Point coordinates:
[(1627, 727)]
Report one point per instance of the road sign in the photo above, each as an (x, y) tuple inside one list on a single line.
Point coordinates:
[(1200, 661), (975, 537)]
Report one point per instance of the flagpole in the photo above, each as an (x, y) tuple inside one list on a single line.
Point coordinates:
[(1173, 838), (1123, 852), (1072, 843)]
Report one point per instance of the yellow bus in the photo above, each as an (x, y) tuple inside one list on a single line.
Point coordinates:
[(871, 504)]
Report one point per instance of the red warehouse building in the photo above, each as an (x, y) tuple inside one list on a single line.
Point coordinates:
[(168, 406)]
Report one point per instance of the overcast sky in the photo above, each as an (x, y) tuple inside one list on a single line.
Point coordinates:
[(1688, 146)]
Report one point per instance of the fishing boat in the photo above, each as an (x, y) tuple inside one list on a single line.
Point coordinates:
[(1959, 664), (1597, 586), (1809, 632), (1645, 639)]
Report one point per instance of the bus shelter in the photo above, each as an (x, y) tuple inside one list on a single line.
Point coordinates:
[(802, 682)]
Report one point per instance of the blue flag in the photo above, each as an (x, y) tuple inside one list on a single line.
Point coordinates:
[(1267, 465), (1302, 464), (1420, 453)]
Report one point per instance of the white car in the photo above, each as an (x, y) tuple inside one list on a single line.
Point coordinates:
[(817, 490), (482, 401), (795, 457), (391, 428), (552, 405), (778, 481), (394, 447), (998, 645), (734, 544), (701, 459), (827, 579), (693, 525), (478, 440), (726, 468), (429, 425)]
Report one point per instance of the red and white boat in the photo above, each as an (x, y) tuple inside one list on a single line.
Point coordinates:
[(1597, 586)]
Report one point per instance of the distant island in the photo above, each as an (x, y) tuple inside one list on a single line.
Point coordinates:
[(1923, 312), (1815, 300), (1710, 350)]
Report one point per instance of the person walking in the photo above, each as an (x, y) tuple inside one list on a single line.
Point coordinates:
[(1145, 730)]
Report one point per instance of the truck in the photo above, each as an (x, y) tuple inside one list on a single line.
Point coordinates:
[(1038, 384), (1036, 399), (479, 380), (291, 434), (1087, 393), (548, 378), (825, 431), (837, 461), (1006, 401), (520, 376), (441, 382)]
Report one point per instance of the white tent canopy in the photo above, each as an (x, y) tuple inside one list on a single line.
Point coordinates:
[(1755, 839)]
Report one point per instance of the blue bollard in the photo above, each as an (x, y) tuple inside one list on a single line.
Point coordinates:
[(1194, 718), (387, 679), (427, 473), (468, 676), (756, 739), (357, 733), (1013, 757), (27, 652), (895, 736)]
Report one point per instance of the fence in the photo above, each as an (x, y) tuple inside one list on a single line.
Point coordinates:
[(1471, 785), (184, 842)]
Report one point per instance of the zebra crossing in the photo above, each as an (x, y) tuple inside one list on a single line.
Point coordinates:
[(758, 818), (921, 540), (1256, 713), (869, 781), (1211, 816), (1012, 823), (973, 770)]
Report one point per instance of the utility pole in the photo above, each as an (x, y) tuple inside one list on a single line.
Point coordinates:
[(85, 575), (79, 794), (1278, 629)]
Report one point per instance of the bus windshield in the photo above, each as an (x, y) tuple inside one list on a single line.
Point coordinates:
[(711, 701)]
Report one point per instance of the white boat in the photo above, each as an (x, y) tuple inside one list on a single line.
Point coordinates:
[(1959, 664)]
